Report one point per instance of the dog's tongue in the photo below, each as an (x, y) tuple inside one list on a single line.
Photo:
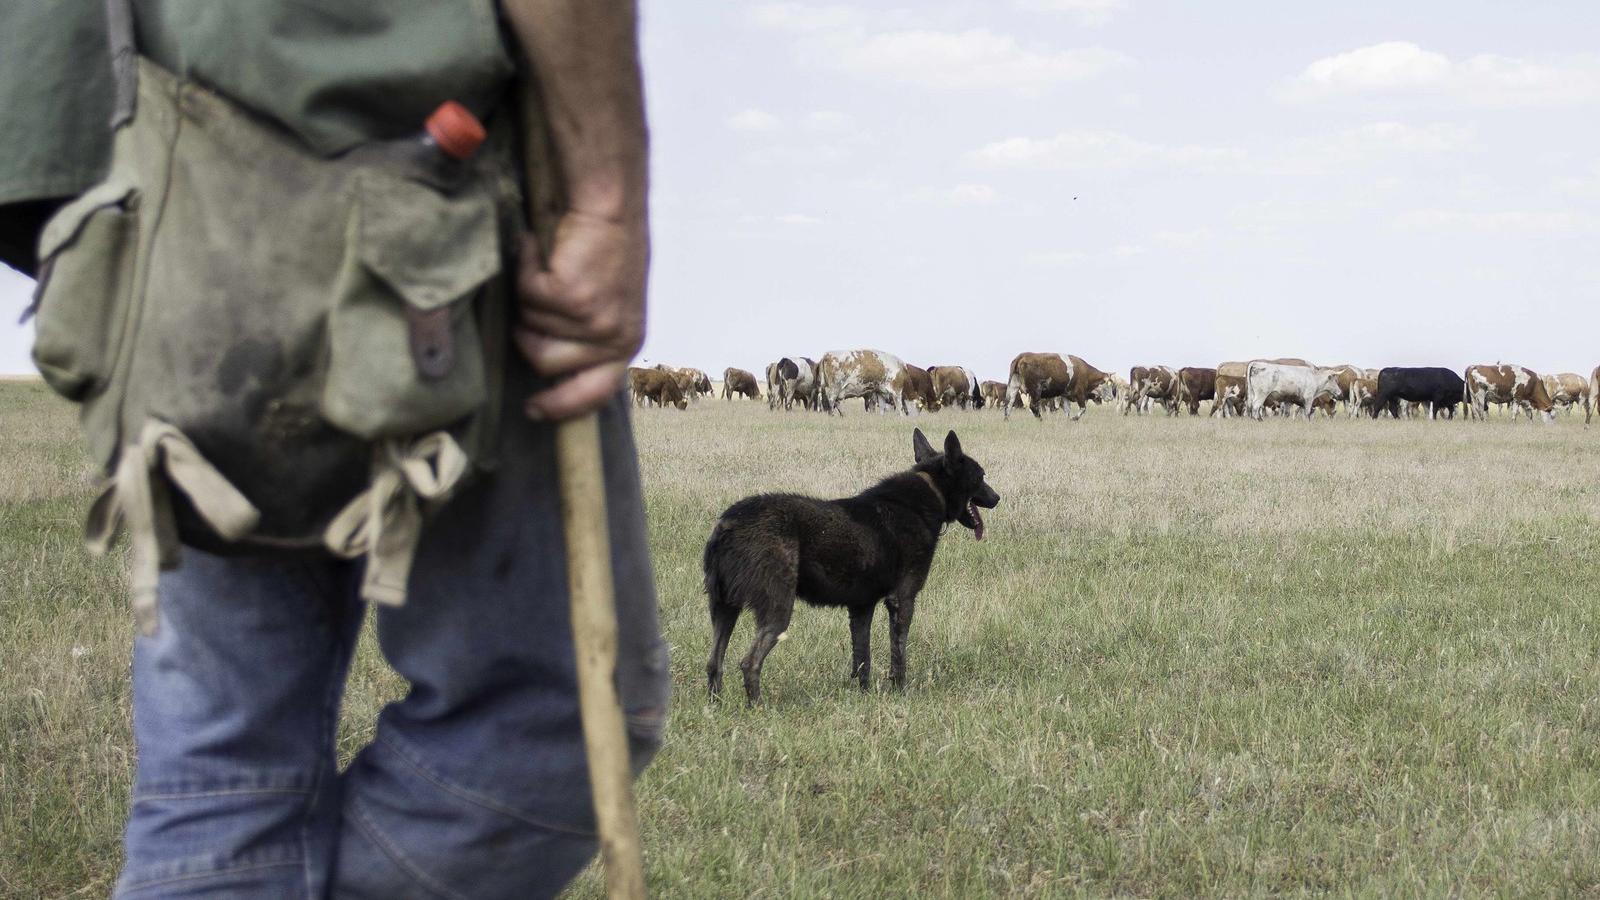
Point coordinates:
[(977, 520)]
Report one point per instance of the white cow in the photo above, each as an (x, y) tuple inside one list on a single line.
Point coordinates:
[(1568, 389), (974, 392), (804, 386), (789, 379), (873, 374), (1300, 385)]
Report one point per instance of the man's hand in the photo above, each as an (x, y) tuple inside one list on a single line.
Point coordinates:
[(582, 319)]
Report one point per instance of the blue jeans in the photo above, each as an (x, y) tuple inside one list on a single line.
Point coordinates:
[(474, 784)]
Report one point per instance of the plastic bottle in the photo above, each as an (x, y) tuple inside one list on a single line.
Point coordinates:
[(454, 131), (450, 136)]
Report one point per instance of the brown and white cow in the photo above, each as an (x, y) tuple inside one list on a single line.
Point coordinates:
[(774, 383), (1364, 394), (738, 381), (699, 383), (1119, 389), (1594, 391), (916, 386), (659, 385), (689, 380), (1195, 384), (1568, 389), (1046, 375), (636, 384), (1518, 385), (955, 386), (1348, 375), (994, 394), (1151, 384), (674, 373), (871, 374), (1231, 389), (1129, 393)]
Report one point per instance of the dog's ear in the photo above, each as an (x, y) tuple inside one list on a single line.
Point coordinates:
[(952, 449), (920, 447)]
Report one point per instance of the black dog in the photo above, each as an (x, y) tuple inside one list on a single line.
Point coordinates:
[(768, 549)]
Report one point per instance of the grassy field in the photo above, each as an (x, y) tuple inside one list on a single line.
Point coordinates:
[(1192, 657)]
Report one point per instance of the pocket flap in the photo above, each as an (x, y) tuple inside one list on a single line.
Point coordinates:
[(64, 226), (430, 248)]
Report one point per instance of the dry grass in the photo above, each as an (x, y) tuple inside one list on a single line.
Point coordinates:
[(1192, 657)]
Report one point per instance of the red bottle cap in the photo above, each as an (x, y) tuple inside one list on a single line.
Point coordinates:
[(455, 129)]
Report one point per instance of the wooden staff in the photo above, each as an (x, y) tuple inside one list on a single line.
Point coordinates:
[(593, 601), (594, 638)]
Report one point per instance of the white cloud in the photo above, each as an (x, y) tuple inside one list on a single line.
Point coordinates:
[(1183, 240), (754, 120), (1284, 217), (827, 120), (803, 17), (971, 193), (1102, 150), (1370, 143), (1088, 12), (960, 195), (1395, 65), (1487, 79), (807, 156), (763, 223), (1117, 254), (1544, 223), (823, 137), (972, 59), (1580, 185), (1058, 258), (893, 48), (1398, 136)]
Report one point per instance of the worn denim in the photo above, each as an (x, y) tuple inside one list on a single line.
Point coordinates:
[(474, 784)]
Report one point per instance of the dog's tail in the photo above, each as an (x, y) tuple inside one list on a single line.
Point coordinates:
[(716, 589)]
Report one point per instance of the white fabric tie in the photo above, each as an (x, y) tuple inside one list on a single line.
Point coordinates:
[(385, 521), (136, 501)]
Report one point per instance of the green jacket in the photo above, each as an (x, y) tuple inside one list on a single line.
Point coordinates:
[(55, 103), (335, 73)]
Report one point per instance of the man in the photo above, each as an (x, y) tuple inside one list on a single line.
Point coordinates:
[(474, 784)]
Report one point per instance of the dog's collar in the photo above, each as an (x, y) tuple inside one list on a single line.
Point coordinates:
[(929, 479)]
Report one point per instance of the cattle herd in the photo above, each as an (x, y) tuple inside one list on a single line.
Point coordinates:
[(1049, 381)]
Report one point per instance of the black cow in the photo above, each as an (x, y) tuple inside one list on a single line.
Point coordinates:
[(1440, 388)]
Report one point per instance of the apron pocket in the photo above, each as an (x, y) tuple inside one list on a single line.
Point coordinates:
[(405, 354), (88, 252)]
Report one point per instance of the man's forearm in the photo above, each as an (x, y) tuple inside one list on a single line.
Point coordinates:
[(586, 56)]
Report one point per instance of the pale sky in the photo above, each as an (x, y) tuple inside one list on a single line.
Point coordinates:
[(1133, 181)]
